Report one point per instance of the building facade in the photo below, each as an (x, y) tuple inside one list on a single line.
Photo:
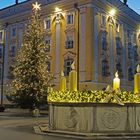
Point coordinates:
[(100, 41)]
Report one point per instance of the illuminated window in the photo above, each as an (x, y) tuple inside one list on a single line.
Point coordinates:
[(67, 68)]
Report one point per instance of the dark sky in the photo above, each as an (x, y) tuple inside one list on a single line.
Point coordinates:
[(133, 4)]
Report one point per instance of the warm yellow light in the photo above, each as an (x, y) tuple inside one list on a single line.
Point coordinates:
[(116, 74), (63, 82), (36, 6), (112, 12), (57, 9), (73, 78), (138, 68), (137, 80), (116, 82)]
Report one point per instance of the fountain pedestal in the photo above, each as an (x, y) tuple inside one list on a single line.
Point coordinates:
[(93, 119)]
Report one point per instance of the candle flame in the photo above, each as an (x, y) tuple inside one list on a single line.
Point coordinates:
[(138, 68), (116, 74), (57, 9), (73, 66), (62, 73)]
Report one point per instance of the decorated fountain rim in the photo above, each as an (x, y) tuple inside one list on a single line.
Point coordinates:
[(109, 95), (97, 96)]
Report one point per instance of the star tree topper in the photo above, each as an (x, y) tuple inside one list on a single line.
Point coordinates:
[(36, 6)]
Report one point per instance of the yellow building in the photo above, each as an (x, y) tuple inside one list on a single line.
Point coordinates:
[(99, 39)]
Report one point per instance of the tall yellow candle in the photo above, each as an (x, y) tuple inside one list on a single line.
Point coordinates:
[(62, 82), (116, 82), (73, 79), (137, 80)]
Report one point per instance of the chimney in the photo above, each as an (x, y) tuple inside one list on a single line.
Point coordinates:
[(125, 2), (16, 1)]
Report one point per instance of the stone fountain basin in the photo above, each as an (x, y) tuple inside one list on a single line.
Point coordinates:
[(94, 118)]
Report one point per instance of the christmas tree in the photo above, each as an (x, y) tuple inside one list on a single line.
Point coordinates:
[(31, 75)]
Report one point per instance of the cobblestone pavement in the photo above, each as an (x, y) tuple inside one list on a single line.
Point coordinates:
[(16, 125), (20, 127)]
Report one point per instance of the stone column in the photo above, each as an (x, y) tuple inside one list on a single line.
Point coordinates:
[(57, 48), (95, 45), (82, 50), (112, 55), (124, 69), (6, 55), (20, 36)]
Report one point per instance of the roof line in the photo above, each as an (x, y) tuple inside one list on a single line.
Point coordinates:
[(14, 5)]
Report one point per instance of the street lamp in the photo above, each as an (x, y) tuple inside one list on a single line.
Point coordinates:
[(112, 12), (58, 14), (2, 42), (57, 9), (78, 43)]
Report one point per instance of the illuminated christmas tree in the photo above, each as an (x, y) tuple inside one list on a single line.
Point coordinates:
[(32, 77)]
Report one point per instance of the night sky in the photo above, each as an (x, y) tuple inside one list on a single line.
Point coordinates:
[(133, 4)]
